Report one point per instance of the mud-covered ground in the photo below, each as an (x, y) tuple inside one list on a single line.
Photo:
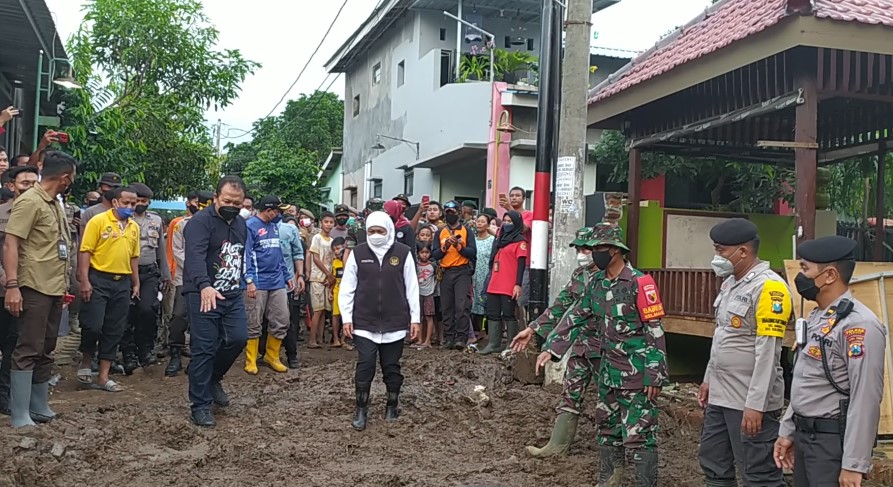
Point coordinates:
[(294, 430)]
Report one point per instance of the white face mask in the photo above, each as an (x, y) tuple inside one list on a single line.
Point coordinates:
[(584, 259), (245, 213), (721, 266), (377, 240)]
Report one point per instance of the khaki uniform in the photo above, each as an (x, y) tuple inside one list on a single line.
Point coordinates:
[(745, 371), (854, 348), (139, 336)]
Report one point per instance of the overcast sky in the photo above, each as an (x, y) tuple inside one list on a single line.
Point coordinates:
[(281, 36)]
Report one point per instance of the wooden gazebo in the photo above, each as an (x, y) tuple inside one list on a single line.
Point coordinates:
[(790, 82)]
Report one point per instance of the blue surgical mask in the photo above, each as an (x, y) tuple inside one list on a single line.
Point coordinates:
[(125, 213), (507, 227)]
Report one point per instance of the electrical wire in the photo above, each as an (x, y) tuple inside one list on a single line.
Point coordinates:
[(295, 82)]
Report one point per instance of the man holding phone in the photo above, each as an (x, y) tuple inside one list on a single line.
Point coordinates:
[(456, 249)]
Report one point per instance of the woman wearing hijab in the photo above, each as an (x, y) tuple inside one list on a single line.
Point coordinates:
[(508, 261), (374, 315), (405, 233)]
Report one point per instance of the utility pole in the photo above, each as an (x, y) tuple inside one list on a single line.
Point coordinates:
[(568, 213), (219, 127), (546, 130)]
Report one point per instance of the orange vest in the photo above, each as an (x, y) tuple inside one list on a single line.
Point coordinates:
[(451, 257), (170, 245)]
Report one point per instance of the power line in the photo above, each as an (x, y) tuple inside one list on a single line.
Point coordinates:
[(344, 4)]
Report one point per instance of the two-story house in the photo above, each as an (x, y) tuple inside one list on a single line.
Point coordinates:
[(414, 124)]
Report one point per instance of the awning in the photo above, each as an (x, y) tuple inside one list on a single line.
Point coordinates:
[(28, 28), (461, 153)]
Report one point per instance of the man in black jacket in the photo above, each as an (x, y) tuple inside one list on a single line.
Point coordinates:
[(374, 315), (213, 283)]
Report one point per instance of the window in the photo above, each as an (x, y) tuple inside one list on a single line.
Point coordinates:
[(408, 180), (356, 105), (376, 188), (353, 197), (529, 44), (442, 33), (446, 67), (508, 42), (401, 73), (376, 74)]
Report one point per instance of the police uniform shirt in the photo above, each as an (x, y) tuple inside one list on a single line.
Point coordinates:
[(152, 244), (855, 348), (752, 314)]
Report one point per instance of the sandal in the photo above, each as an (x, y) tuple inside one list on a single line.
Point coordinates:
[(349, 347), (337, 345), (314, 346), (85, 376), (109, 386)]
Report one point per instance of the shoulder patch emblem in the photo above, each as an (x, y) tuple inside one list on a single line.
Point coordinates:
[(814, 352), (855, 335), (523, 245), (856, 350), (394, 261)]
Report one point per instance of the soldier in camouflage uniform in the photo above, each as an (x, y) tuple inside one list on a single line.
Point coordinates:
[(356, 231), (563, 327), (634, 360)]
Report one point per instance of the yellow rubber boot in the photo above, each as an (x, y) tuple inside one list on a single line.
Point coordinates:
[(251, 355), (271, 355)]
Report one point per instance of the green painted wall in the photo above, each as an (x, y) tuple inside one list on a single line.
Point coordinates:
[(651, 235), (775, 237)]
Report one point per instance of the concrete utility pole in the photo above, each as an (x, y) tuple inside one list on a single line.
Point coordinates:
[(219, 126), (569, 207)]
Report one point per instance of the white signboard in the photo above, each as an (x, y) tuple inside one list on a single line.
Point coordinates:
[(564, 183)]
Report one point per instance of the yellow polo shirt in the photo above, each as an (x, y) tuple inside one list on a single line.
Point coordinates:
[(111, 249)]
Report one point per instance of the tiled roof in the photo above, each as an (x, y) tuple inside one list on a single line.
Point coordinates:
[(726, 23)]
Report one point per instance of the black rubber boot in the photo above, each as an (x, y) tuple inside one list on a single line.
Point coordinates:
[(131, 363), (511, 329), (219, 395), (646, 468), (175, 365), (391, 411), (362, 412), (494, 338), (612, 459)]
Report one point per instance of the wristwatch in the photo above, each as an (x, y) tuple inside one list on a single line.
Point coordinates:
[(249, 280)]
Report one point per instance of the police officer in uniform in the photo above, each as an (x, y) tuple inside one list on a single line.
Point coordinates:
[(138, 343), (830, 427), (743, 389)]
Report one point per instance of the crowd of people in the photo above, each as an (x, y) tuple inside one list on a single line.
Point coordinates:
[(238, 276)]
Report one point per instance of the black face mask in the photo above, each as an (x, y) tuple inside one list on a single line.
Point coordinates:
[(602, 259), (228, 213), (806, 287), (341, 221), (192, 209), (109, 195), (92, 202), (451, 218), (140, 209)]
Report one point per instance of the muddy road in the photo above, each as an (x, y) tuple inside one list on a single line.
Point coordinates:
[(294, 430)]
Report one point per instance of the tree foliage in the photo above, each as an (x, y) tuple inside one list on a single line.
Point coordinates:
[(853, 187), (754, 187), (150, 69), (287, 150)]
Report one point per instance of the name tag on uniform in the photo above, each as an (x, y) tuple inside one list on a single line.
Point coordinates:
[(63, 250)]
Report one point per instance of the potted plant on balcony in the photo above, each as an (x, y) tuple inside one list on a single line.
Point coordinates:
[(474, 67), (514, 67)]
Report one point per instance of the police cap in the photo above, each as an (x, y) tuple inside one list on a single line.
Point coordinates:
[(826, 250), (734, 231), (342, 210)]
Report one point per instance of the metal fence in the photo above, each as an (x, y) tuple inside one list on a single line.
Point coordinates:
[(866, 238)]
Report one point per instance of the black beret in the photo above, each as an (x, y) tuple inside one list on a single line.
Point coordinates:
[(142, 191), (734, 231), (826, 250)]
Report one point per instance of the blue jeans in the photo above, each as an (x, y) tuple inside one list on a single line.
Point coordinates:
[(217, 337)]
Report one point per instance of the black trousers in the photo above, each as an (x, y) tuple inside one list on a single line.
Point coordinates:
[(388, 355), (817, 459), (724, 447), (142, 325), (294, 324), (8, 336), (179, 320), (500, 308), (104, 318), (455, 300)]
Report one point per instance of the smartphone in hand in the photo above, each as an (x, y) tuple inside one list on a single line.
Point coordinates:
[(62, 137)]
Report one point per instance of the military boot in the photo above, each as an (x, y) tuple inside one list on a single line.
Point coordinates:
[(612, 459), (131, 362), (175, 363), (646, 468), (362, 411), (562, 436), (494, 338), (512, 329), (391, 411)]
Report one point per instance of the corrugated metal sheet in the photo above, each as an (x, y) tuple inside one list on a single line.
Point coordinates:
[(22, 41)]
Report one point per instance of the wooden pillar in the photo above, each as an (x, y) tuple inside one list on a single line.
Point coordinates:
[(806, 160), (880, 210), (635, 196)]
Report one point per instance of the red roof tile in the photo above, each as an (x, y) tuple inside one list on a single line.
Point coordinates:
[(729, 22)]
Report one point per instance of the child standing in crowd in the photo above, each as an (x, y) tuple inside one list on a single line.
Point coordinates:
[(426, 235), (338, 272), (321, 277), (427, 282)]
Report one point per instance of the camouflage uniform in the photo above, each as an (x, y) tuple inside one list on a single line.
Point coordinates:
[(564, 328)]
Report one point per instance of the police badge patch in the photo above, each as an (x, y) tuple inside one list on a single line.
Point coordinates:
[(394, 261)]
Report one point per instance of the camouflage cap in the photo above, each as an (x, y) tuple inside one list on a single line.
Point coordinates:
[(607, 234), (375, 204), (584, 235)]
